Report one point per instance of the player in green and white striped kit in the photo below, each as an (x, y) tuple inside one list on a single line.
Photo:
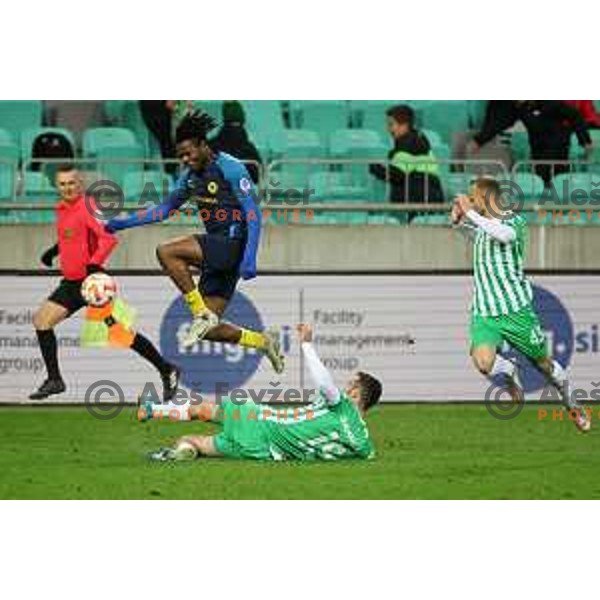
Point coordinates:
[(502, 308), (330, 428)]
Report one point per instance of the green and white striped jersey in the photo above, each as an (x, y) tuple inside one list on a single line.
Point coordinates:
[(321, 430), (500, 285)]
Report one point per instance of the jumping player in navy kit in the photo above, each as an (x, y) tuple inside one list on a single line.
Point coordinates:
[(225, 196)]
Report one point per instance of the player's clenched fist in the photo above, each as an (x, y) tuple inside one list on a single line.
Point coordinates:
[(305, 332)]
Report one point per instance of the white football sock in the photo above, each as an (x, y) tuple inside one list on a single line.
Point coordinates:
[(502, 366), (560, 380)]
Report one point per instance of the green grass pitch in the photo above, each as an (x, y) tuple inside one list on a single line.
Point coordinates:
[(424, 451)]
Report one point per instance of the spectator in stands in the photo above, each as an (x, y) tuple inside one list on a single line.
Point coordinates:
[(587, 110), (549, 124), (233, 138), (412, 174), (157, 115)]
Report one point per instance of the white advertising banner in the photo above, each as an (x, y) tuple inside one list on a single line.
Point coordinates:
[(409, 330)]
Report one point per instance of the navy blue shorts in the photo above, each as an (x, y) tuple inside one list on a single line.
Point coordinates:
[(220, 267)]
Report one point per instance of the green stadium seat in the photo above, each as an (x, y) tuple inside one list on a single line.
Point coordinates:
[(357, 143), (9, 160), (6, 137), (433, 137), (114, 110), (115, 162), (531, 185), (476, 110), (297, 143), (446, 117), (432, 219), (362, 145), (519, 143), (331, 186), (456, 183), (323, 116), (264, 123), (18, 115), (370, 114), (100, 137), (29, 135), (146, 186), (37, 186)]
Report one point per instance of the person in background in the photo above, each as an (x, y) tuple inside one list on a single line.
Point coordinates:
[(549, 125), (587, 109), (158, 117), (233, 138), (412, 172)]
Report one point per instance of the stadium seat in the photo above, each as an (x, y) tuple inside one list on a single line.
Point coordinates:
[(433, 137), (330, 186), (322, 116), (356, 143), (29, 135), (456, 183), (519, 144), (531, 185), (114, 111), (432, 219), (363, 145), (9, 159), (476, 113), (370, 114), (6, 137), (146, 186), (264, 122), (100, 137), (446, 117), (115, 162), (37, 186), (18, 115), (297, 143)]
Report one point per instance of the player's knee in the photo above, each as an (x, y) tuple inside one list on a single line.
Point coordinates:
[(39, 321), (162, 253)]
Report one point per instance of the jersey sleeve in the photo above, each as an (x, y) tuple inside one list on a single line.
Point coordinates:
[(499, 230), (155, 214), (320, 375), (244, 189)]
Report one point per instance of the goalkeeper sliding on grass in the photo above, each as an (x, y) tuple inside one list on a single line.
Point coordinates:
[(330, 428), (502, 308)]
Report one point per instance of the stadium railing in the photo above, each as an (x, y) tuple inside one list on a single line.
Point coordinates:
[(331, 187)]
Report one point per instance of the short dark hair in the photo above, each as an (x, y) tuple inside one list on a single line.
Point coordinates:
[(370, 390), (195, 126), (401, 113)]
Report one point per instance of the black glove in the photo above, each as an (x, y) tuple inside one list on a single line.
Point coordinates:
[(95, 269), (48, 257)]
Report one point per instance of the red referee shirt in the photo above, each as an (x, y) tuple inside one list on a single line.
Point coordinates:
[(82, 240)]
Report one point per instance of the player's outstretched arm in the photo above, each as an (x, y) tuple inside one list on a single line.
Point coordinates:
[(320, 375), (155, 214)]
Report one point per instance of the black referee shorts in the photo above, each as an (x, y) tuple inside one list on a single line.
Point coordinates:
[(68, 295)]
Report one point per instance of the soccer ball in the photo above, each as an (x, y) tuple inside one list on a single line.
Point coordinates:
[(98, 289)]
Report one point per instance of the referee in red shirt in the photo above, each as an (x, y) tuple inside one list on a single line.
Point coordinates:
[(83, 247)]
